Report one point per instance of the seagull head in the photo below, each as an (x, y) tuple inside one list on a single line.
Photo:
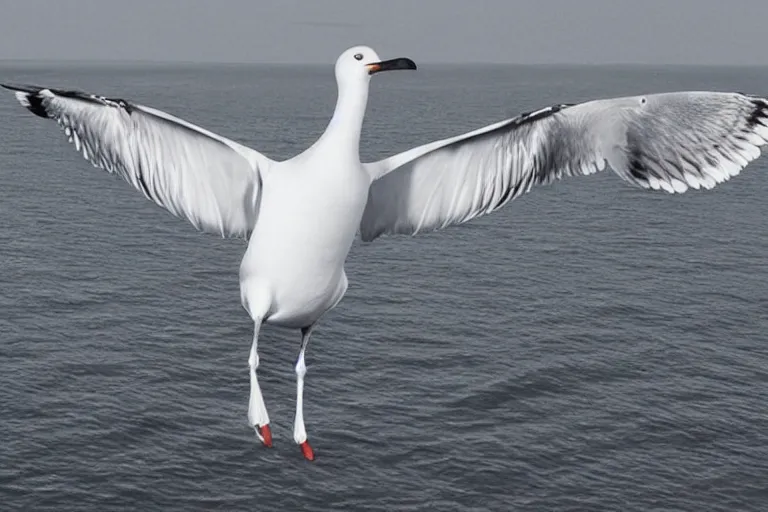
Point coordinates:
[(360, 62)]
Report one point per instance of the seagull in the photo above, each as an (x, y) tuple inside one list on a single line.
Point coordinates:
[(300, 216)]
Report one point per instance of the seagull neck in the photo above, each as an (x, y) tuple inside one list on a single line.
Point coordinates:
[(347, 121)]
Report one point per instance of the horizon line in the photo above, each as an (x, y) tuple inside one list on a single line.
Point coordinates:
[(4, 60)]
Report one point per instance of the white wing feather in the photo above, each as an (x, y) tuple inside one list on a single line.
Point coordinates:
[(213, 182), (667, 141)]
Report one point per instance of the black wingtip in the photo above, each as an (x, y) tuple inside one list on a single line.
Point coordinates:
[(31, 89), (28, 97), (759, 114)]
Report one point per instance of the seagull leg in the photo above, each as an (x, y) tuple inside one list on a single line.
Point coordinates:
[(299, 432), (257, 411)]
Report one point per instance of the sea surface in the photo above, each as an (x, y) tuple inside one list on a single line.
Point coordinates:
[(590, 347)]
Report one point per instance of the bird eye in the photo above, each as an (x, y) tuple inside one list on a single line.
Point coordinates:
[(358, 56)]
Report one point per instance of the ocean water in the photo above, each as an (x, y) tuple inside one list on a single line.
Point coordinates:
[(589, 347)]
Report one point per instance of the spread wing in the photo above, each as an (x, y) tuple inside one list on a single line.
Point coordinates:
[(211, 181), (667, 141)]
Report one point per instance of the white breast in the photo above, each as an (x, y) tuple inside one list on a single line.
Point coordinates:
[(309, 216)]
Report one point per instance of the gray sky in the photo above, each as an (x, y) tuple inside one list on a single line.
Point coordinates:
[(316, 31)]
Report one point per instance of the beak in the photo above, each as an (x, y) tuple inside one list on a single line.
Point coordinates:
[(391, 65)]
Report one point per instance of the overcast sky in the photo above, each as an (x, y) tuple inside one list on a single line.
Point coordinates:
[(316, 31)]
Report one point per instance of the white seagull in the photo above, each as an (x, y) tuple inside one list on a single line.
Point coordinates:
[(300, 216)]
